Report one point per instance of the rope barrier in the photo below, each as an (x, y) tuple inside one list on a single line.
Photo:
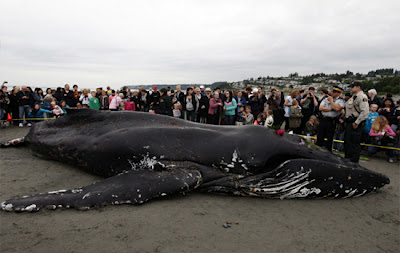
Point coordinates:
[(364, 144), (31, 119)]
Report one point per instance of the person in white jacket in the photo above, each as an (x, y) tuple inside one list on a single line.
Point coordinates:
[(84, 98)]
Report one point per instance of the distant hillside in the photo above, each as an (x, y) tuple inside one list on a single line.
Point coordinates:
[(160, 86)]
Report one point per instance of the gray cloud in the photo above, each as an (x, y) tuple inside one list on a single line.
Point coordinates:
[(96, 43)]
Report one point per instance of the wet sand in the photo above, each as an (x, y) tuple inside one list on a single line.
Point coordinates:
[(192, 223)]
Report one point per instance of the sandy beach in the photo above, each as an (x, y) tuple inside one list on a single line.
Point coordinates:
[(194, 222)]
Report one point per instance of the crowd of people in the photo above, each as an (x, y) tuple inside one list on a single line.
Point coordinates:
[(330, 114)]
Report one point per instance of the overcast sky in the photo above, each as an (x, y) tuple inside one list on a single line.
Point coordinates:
[(99, 43)]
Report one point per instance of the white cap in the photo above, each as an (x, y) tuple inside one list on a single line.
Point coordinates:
[(201, 86), (255, 90)]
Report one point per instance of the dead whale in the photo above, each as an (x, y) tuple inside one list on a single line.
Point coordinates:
[(144, 156)]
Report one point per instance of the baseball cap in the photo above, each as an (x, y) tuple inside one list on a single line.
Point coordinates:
[(154, 87), (201, 86)]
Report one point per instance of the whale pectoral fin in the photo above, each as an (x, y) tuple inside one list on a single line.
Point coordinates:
[(307, 178), (13, 143), (133, 187)]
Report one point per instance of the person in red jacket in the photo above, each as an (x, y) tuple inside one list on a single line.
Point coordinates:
[(130, 105)]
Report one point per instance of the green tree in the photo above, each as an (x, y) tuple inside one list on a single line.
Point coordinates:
[(349, 73), (396, 89), (387, 89)]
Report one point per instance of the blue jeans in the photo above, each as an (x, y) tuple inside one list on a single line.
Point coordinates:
[(338, 136), (1, 116), (230, 119), (374, 150), (191, 115), (24, 109)]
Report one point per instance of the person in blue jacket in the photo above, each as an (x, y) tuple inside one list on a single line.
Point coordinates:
[(37, 113), (241, 101)]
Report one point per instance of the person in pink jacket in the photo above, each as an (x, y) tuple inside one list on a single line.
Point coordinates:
[(382, 135), (214, 110), (130, 105), (116, 102)]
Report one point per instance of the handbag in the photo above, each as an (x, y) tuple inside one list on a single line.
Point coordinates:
[(383, 141)]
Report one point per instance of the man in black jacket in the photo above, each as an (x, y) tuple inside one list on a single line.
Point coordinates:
[(144, 100), (165, 105), (68, 96), (309, 106), (24, 105), (154, 99)]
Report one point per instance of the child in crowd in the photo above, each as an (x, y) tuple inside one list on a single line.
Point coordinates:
[(94, 102), (240, 116), (47, 102), (311, 126), (270, 119), (122, 106), (261, 119), (53, 105), (339, 133), (176, 111), (130, 105), (373, 114), (248, 116), (57, 111)]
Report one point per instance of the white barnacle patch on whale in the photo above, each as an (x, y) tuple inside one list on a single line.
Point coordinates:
[(30, 208), (8, 207), (147, 162), (362, 193), (57, 192), (235, 156), (223, 162), (350, 193), (76, 190), (86, 195)]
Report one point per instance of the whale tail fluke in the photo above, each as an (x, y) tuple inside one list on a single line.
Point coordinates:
[(132, 187), (13, 143)]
